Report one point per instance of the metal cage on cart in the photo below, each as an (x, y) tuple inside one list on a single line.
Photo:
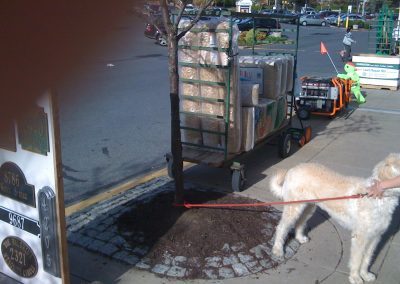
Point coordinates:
[(223, 44)]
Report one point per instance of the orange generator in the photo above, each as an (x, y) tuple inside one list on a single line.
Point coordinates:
[(322, 96)]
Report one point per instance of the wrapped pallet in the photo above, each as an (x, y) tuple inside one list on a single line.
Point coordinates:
[(285, 62), (208, 39), (272, 73), (248, 128), (190, 120), (235, 114), (189, 89), (212, 39), (290, 75), (212, 108), (252, 75), (249, 94), (264, 118), (287, 72), (188, 55), (213, 56), (281, 111)]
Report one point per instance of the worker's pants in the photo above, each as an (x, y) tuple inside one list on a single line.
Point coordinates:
[(347, 51)]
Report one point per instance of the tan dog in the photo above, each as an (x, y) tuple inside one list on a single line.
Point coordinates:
[(367, 218)]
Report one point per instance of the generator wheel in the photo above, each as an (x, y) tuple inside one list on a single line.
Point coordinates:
[(302, 141), (238, 180), (303, 114), (285, 145), (307, 134)]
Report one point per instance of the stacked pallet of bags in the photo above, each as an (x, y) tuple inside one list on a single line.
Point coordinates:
[(274, 76), (189, 89), (205, 34)]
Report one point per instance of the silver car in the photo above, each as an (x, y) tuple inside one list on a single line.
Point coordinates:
[(332, 19), (312, 20)]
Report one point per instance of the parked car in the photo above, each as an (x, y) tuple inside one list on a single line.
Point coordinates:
[(307, 13), (370, 16), (156, 29), (284, 14), (352, 17), (325, 14), (333, 19), (312, 20), (266, 11), (265, 23), (151, 31), (307, 10)]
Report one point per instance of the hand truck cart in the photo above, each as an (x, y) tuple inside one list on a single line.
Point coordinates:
[(191, 81)]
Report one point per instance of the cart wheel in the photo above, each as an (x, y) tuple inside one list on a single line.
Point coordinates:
[(168, 158), (307, 134), (238, 180), (303, 114), (285, 145)]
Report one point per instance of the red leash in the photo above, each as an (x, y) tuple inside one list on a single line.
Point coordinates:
[(191, 205)]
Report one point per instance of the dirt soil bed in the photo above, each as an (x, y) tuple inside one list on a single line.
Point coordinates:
[(206, 243)]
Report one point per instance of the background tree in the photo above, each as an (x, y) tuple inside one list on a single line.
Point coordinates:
[(173, 36)]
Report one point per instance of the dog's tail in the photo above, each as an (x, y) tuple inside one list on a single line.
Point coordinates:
[(276, 182)]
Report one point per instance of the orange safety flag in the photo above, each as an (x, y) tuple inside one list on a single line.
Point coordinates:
[(323, 49)]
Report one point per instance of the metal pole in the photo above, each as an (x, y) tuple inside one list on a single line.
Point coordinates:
[(337, 72)]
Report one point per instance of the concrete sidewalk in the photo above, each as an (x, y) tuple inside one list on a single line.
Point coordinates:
[(350, 144)]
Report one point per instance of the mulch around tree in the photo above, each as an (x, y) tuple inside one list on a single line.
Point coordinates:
[(202, 243)]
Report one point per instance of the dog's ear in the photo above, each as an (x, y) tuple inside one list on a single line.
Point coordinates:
[(390, 167)]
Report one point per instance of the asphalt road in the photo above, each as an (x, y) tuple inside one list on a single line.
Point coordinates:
[(310, 60), (115, 113)]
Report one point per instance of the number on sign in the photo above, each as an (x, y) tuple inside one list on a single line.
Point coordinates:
[(16, 220)]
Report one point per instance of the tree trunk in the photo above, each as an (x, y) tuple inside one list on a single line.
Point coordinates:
[(176, 145)]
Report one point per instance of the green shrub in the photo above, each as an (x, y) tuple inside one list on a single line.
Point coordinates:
[(260, 36), (242, 38), (250, 37), (361, 24), (256, 7)]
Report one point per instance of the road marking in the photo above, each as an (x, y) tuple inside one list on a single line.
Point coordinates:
[(118, 189)]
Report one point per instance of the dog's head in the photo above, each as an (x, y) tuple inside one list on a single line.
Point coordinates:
[(388, 168)]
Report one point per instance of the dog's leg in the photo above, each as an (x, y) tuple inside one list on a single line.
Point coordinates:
[(368, 276), (289, 217), (302, 222), (358, 247)]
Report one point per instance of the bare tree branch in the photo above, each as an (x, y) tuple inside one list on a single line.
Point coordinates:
[(195, 20), (178, 19), (166, 18)]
